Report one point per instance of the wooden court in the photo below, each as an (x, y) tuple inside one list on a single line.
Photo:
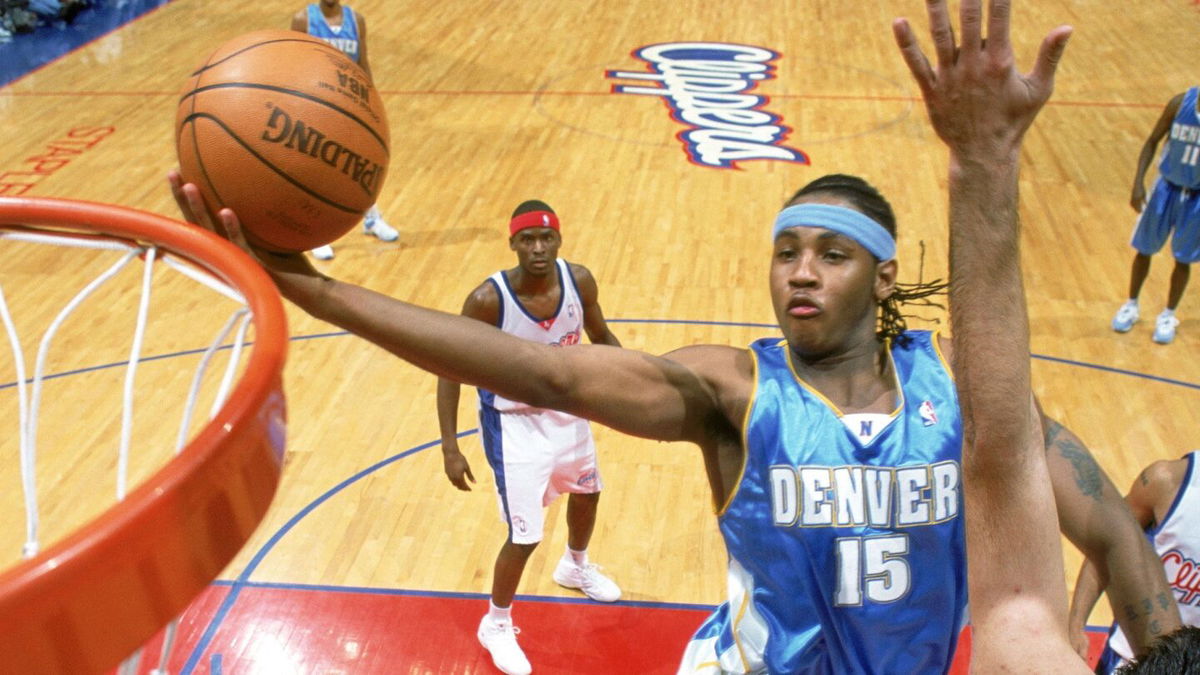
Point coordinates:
[(492, 103)]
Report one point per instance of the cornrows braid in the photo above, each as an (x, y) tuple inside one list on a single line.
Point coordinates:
[(892, 322)]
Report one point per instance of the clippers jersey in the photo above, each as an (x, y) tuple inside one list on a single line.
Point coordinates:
[(845, 557), (1181, 156), (563, 329), (344, 37), (1177, 542)]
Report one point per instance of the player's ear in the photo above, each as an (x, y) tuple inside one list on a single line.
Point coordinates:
[(885, 279)]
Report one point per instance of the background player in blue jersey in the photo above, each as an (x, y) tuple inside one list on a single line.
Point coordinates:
[(536, 454), (345, 29), (1174, 206), (839, 435)]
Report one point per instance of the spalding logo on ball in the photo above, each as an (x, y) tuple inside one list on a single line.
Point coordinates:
[(286, 131)]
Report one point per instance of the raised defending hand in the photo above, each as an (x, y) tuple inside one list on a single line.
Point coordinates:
[(979, 104)]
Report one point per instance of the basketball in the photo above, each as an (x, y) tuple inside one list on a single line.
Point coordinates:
[(289, 133)]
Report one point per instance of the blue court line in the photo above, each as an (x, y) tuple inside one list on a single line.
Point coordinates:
[(160, 357), (1117, 371), (458, 595), (243, 578), (688, 322)]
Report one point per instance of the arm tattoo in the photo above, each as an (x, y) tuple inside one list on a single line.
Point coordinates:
[(1164, 601), (1087, 472)]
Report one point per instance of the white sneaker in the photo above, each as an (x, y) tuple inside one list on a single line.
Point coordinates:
[(1126, 316), (323, 252), (1164, 327), (587, 579), (500, 639), (374, 224)]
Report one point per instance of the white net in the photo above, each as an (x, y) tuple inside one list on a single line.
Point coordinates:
[(115, 346)]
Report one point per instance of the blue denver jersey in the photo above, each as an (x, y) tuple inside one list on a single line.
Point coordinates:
[(845, 557), (1181, 156), (344, 37)]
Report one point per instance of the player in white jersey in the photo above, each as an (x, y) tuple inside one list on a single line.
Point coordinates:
[(536, 454), (345, 29), (1165, 499), (1173, 210)]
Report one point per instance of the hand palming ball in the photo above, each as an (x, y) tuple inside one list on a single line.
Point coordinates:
[(286, 131)]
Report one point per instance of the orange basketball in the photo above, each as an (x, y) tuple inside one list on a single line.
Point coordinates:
[(286, 131)]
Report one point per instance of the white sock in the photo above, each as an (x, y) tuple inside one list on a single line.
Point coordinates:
[(1167, 311), (1132, 302), (499, 613), (577, 557)]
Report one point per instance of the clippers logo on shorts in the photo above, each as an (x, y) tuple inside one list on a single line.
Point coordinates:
[(588, 479), (1183, 574), (706, 86), (296, 135)]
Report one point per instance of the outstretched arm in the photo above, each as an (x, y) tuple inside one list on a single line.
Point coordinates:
[(980, 106), (630, 391), (1092, 514)]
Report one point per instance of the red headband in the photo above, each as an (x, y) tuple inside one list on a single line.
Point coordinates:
[(532, 219)]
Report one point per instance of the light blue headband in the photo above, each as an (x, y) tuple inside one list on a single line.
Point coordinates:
[(868, 233)]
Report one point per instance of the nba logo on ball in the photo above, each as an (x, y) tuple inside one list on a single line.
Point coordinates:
[(286, 131)]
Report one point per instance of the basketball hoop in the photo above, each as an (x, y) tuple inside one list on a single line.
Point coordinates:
[(92, 598)]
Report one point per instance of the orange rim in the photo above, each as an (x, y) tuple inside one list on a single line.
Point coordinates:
[(88, 601)]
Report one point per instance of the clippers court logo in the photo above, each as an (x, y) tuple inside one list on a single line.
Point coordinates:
[(706, 85)]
